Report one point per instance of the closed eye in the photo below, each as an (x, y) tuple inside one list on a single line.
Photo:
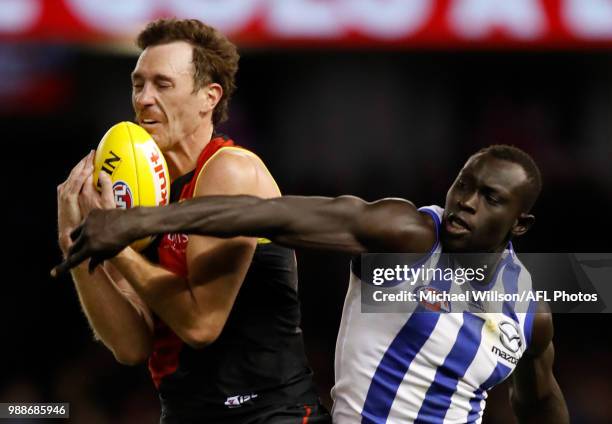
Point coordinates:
[(492, 199), (491, 196)]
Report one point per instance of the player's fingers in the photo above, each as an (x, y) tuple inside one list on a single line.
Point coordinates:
[(106, 185), (87, 168), (69, 185), (77, 246), (79, 174), (77, 253), (88, 187), (78, 168), (76, 232), (70, 262), (83, 198), (93, 263), (89, 198), (58, 270), (90, 158)]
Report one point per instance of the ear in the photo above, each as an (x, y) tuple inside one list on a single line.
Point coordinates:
[(210, 95), (522, 224)]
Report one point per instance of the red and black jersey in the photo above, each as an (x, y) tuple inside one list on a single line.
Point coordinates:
[(258, 360)]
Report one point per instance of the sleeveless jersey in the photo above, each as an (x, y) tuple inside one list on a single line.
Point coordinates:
[(428, 367), (258, 360)]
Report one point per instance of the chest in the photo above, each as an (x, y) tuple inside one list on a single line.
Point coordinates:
[(473, 347), (172, 248)]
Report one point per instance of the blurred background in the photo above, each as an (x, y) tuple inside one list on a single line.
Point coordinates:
[(368, 97)]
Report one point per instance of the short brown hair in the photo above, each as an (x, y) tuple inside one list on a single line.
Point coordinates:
[(215, 58)]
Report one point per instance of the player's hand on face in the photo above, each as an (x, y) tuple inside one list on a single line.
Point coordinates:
[(90, 198), (103, 234), (68, 211)]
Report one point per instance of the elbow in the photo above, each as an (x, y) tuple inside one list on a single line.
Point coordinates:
[(132, 353), (550, 408), (523, 405), (199, 338), (130, 357)]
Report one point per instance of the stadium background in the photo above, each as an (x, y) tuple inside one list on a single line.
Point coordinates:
[(368, 115)]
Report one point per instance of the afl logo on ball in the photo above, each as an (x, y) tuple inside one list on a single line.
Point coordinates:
[(123, 195)]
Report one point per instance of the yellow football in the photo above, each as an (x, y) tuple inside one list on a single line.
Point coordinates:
[(137, 169)]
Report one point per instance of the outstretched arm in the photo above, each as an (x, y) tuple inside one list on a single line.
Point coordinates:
[(345, 224), (535, 394)]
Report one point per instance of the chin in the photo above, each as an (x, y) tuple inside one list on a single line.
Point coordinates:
[(453, 248), (160, 141), (454, 245)]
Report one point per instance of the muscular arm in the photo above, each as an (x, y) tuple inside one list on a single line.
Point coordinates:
[(535, 394), (346, 224), (197, 307), (115, 313)]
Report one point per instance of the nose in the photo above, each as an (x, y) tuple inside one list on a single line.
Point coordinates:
[(469, 202), (144, 96)]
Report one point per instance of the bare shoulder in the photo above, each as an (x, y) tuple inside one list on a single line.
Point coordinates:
[(403, 212), (403, 227), (234, 171), (395, 206), (395, 202), (543, 330)]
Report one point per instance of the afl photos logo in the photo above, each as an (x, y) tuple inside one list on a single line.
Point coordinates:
[(509, 336), (123, 195)]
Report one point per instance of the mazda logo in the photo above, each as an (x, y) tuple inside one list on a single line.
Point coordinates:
[(509, 336)]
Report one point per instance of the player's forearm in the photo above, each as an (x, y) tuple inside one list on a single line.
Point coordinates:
[(113, 318), (294, 221), (219, 216), (165, 293), (547, 409)]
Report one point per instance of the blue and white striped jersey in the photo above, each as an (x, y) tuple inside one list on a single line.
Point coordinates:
[(428, 367)]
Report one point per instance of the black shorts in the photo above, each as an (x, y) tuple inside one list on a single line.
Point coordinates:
[(294, 414)]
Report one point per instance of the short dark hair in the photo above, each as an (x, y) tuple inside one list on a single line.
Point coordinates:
[(515, 155), (215, 58)]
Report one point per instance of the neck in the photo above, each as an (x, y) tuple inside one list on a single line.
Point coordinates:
[(183, 155), (486, 261)]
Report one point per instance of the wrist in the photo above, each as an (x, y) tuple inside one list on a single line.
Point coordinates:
[(139, 222), (127, 225), (149, 221)]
